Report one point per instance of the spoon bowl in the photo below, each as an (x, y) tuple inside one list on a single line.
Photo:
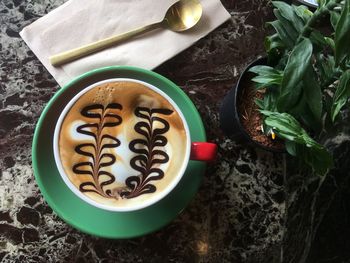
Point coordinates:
[(182, 15)]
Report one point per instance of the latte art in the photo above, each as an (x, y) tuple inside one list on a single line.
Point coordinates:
[(151, 154), (100, 119), (121, 143)]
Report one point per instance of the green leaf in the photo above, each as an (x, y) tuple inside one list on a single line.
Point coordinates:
[(288, 128), (299, 109), (282, 63), (326, 68), (269, 101), (300, 143), (302, 12), (265, 70), (341, 95), (260, 103), (334, 18), (285, 125), (286, 39), (318, 40), (303, 113), (309, 119), (287, 25), (342, 35), (266, 76), (330, 42), (291, 148), (298, 62), (288, 16), (267, 80), (288, 101), (319, 159), (273, 42), (323, 2), (313, 93)]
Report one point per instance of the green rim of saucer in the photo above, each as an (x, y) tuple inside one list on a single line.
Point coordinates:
[(90, 219)]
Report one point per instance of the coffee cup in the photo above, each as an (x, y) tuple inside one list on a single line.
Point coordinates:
[(123, 145)]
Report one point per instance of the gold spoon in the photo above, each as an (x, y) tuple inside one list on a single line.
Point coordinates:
[(181, 16)]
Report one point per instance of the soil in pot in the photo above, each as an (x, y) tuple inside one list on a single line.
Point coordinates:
[(250, 117)]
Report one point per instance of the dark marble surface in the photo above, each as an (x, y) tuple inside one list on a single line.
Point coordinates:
[(247, 209)]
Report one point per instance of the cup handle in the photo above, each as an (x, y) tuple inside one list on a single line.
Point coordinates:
[(203, 151)]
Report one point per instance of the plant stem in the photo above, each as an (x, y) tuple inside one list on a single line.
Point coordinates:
[(320, 11)]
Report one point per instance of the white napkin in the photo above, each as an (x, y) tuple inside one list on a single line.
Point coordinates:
[(79, 22)]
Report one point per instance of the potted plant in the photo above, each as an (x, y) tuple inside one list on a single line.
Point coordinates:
[(304, 83)]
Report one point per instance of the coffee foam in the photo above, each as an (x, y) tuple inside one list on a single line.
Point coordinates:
[(130, 95)]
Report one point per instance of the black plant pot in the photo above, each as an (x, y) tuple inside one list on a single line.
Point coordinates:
[(230, 119)]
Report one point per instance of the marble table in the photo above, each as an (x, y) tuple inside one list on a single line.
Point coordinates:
[(251, 206)]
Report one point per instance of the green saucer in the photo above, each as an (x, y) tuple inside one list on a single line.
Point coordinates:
[(90, 219)]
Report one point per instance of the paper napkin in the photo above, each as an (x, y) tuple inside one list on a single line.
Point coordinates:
[(80, 22)]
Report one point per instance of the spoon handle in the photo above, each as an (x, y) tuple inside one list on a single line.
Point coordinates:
[(88, 49)]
